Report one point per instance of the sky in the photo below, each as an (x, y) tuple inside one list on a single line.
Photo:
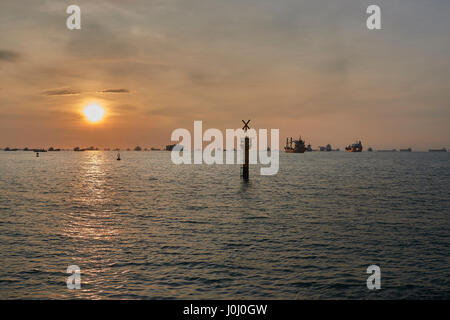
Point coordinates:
[(309, 68)]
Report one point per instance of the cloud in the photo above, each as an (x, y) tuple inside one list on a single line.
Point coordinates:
[(61, 92), (115, 91), (125, 107), (9, 56)]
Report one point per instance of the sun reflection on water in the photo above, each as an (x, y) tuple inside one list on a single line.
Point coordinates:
[(92, 224)]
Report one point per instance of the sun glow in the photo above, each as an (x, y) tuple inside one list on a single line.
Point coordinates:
[(94, 113)]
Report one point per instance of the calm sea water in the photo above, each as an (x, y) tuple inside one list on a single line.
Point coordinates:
[(143, 228)]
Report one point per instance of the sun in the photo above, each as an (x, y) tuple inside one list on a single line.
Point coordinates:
[(94, 113)]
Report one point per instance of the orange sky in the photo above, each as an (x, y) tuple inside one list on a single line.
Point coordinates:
[(305, 67)]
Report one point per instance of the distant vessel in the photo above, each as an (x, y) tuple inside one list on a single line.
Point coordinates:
[(295, 146), (387, 150), (174, 147), (309, 148), (438, 150), (356, 147), (406, 150), (370, 149), (118, 156), (170, 147), (328, 148)]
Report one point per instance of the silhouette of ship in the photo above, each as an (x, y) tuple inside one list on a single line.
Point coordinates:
[(170, 147), (295, 146), (174, 147), (438, 150), (356, 147), (328, 148)]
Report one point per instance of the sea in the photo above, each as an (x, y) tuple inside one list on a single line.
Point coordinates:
[(145, 228)]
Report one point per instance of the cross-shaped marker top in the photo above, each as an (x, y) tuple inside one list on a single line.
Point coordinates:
[(245, 127)]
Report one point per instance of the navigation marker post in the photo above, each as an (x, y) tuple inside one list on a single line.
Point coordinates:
[(245, 166)]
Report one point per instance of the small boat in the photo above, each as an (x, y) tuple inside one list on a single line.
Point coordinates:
[(37, 154), (118, 156)]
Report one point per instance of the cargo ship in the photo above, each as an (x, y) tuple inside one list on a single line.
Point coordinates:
[(328, 148), (356, 147), (295, 146), (174, 147), (438, 150)]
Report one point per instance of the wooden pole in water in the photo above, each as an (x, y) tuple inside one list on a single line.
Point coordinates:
[(245, 166)]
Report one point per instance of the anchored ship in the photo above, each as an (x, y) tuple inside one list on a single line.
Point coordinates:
[(328, 148), (356, 147), (438, 150), (174, 147), (295, 146)]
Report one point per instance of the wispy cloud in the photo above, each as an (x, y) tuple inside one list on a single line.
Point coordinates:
[(9, 56), (115, 91), (125, 107), (61, 92)]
